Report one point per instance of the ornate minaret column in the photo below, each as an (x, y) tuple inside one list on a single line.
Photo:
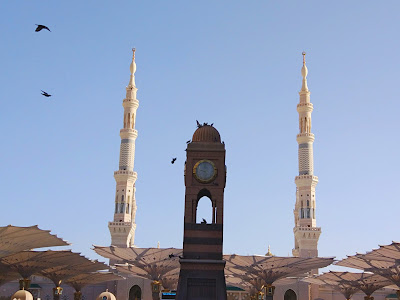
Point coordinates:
[(306, 232), (123, 227)]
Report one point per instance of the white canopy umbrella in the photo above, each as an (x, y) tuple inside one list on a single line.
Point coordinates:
[(14, 239)]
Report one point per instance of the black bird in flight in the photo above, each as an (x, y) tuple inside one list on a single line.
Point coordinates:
[(173, 160), (40, 27), (45, 94), (171, 255)]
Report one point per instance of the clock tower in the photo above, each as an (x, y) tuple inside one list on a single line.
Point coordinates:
[(202, 267)]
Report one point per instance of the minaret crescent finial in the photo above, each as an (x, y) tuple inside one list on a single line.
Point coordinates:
[(133, 50), (304, 57)]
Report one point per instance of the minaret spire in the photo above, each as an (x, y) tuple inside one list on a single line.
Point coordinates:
[(123, 227), (133, 70), (304, 72), (306, 232)]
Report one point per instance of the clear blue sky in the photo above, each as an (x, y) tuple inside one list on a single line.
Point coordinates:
[(234, 63)]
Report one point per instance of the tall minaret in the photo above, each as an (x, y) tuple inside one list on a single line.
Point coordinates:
[(306, 232), (123, 227)]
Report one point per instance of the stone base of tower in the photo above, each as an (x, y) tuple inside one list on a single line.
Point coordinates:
[(201, 279)]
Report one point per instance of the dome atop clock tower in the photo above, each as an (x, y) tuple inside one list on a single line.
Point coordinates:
[(206, 133)]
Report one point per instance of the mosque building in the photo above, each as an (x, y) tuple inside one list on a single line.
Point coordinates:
[(306, 232), (122, 228)]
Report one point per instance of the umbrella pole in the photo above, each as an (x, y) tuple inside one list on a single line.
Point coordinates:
[(57, 291), (24, 284), (155, 289), (78, 295), (269, 292)]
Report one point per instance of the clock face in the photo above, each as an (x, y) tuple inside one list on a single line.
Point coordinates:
[(204, 171)]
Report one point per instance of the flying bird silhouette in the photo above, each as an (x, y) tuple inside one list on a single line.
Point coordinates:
[(40, 27), (173, 160), (45, 94)]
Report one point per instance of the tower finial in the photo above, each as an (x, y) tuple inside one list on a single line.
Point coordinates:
[(304, 72), (269, 253), (133, 69), (133, 50)]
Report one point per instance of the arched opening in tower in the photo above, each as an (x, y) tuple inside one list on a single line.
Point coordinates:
[(135, 293), (205, 212), (290, 295)]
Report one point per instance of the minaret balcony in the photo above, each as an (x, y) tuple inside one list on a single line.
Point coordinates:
[(130, 103), (306, 228), (306, 137), (303, 234), (120, 224), (125, 175), (306, 180), (310, 233), (128, 133), (305, 107)]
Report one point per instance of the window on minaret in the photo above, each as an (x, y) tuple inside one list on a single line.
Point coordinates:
[(127, 208), (122, 205), (116, 208), (308, 203), (308, 213)]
